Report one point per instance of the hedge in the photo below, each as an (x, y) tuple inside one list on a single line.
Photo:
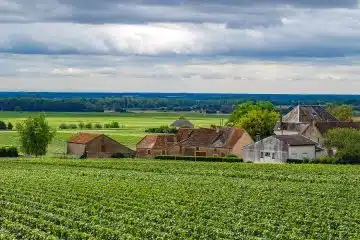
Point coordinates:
[(9, 151), (199, 159)]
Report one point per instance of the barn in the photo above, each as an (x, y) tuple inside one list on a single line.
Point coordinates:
[(88, 145)]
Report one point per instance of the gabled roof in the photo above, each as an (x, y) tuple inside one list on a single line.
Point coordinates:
[(295, 140), (157, 141), (308, 113), (83, 138), (213, 138), (323, 127), (182, 123)]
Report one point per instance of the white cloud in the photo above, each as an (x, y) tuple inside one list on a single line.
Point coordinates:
[(129, 74)]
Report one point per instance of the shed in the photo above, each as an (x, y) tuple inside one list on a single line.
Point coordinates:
[(182, 123), (97, 146)]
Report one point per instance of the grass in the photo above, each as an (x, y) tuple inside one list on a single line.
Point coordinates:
[(143, 199), (132, 130)]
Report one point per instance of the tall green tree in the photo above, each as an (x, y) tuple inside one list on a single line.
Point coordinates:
[(35, 135), (258, 119), (342, 112), (346, 141)]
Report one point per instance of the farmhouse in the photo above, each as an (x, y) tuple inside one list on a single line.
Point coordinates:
[(96, 146), (280, 148), (152, 146), (317, 130), (182, 123), (207, 142), (300, 117)]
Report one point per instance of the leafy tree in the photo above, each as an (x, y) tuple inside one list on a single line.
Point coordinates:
[(10, 126), (346, 141), (256, 118), (63, 126), (98, 126), (88, 125), (342, 112), (35, 135), (3, 125)]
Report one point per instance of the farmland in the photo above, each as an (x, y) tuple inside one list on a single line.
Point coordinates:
[(132, 128), (139, 199)]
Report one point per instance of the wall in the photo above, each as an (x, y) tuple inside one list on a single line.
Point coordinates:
[(278, 151), (104, 146), (302, 152), (241, 143), (75, 149)]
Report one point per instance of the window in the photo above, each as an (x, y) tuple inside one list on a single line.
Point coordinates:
[(267, 154), (262, 154), (149, 151), (163, 152), (273, 156), (197, 148)]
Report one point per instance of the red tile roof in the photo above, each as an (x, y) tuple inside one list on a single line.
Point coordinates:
[(157, 141), (83, 138)]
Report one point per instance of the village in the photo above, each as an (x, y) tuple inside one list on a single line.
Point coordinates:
[(298, 135)]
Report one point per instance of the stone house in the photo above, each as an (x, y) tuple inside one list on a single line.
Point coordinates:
[(206, 142), (280, 148), (88, 145), (317, 130), (156, 145), (300, 117)]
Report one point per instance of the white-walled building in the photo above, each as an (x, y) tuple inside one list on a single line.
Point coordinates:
[(280, 148)]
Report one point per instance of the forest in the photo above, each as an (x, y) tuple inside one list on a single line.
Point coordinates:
[(120, 102)]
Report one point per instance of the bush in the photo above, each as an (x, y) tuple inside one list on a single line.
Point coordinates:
[(199, 159), (72, 126), (98, 126), (3, 125), (114, 125), (63, 126), (81, 125), (10, 126), (321, 160), (162, 129), (88, 126), (9, 151)]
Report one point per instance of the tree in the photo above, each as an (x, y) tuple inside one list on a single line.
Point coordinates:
[(346, 141), (10, 126), (35, 135), (342, 112), (256, 118), (3, 125)]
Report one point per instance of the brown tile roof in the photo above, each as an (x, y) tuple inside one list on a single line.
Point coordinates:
[(83, 138), (157, 141), (323, 127), (213, 138), (182, 123), (295, 140)]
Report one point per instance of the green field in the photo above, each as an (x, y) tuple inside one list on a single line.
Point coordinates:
[(132, 130), (139, 199)]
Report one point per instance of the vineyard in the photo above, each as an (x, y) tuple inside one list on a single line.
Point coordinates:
[(138, 199)]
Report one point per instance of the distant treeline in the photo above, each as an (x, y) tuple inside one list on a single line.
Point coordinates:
[(211, 103)]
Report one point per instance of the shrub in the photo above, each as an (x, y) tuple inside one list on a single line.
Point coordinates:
[(98, 126), (89, 126), (63, 126), (10, 126), (81, 125), (114, 125), (72, 126), (9, 151), (3, 125), (200, 159), (162, 129)]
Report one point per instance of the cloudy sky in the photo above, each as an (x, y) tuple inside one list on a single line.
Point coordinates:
[(237, 46)]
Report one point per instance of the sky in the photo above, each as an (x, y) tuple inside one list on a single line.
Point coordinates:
[(227, 46)]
